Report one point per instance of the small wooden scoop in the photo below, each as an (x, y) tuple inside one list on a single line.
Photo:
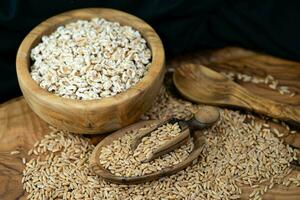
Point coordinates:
[(204, 118), (203, 85)]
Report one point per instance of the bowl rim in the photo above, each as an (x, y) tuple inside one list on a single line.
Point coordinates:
[(148, 33)]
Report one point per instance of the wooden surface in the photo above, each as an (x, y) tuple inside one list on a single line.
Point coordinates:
[(92, 116), (204, 85), (20, 128), (251, 63), (199, 142)]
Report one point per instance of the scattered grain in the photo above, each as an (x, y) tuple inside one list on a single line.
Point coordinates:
[(269, 80), (239, 152), (14, 152)]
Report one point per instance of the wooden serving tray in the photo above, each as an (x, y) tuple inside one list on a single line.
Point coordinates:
[(20, 128)]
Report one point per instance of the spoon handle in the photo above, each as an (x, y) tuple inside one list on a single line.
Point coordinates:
[(203, 85), (204, 118), (137, 140), (179, 140), (251, 101)]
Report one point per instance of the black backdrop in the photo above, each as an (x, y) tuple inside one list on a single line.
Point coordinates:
[(183, 25)]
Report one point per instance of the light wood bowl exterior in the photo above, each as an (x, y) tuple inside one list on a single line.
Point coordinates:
[(91, 116)]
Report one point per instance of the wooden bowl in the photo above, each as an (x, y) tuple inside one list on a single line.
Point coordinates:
[(91, 116)]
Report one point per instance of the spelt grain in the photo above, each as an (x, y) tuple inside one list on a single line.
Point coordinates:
[(269, 80), (239, 150), (14, 152)]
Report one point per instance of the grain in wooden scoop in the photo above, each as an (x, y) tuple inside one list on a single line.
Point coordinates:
[(121, 160)]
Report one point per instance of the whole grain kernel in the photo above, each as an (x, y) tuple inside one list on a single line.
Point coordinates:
[(239, 152), (90, 59)]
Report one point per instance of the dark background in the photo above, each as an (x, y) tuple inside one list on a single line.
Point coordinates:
[(183, 25)]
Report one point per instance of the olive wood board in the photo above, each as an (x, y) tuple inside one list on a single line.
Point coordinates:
[(20, 128)]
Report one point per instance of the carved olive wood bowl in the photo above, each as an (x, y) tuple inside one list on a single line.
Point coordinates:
[(91, 116)]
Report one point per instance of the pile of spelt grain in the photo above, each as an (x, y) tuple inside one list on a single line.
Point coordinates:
[(239, 151), (269, 80), (120, 160)]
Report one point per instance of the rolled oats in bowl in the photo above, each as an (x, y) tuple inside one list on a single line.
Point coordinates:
[(90, 59)]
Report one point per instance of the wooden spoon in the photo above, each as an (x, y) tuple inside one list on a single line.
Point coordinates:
[(198, 140), (203, 85), (204, 118)]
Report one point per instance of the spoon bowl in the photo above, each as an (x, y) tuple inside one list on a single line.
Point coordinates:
[(203, 85)]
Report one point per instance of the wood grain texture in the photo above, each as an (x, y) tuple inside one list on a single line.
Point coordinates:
[(138, 139), (204, 118), (251, 63), (278, 192), (199, 141), (91, 116), (178, 141), (204, 85), (20, 128)]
